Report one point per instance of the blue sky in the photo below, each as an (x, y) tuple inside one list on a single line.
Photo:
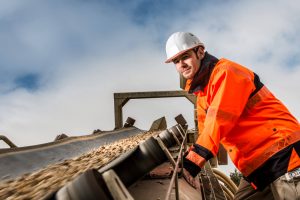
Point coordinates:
[(62, 60)]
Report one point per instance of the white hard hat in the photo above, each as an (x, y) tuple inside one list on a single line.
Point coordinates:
[(180, 42)]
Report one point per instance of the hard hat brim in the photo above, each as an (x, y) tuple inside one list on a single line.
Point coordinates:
[(180, 53)]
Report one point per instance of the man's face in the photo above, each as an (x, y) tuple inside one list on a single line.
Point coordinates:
[(187, 64)]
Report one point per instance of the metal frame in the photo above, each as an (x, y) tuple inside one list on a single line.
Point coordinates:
[(120, 99), (7, 141), (175, 174), (212, 190)]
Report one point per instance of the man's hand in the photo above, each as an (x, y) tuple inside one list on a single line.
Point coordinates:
[(190, 168), (194, 182)]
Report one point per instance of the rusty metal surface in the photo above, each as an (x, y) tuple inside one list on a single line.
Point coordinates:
[(149, 189), (164, 170), (157, 182), (29, 159)]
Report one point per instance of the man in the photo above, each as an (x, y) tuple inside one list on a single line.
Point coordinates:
[(235, 108)]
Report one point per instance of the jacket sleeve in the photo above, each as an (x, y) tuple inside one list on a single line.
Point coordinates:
[(228, 91)]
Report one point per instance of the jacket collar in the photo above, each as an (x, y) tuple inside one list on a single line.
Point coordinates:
[(201, 78)]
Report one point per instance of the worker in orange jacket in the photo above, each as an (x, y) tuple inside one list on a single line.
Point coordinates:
[(236, 109)]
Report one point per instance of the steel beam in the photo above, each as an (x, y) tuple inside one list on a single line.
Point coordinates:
[(120, 99)]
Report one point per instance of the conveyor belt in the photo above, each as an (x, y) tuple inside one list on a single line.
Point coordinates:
[(79, 178), (18, 161), (123, 171)]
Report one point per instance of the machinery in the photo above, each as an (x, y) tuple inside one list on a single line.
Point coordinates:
[(127, 163)]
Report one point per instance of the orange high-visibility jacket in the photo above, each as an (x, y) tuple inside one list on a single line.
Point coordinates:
[(246, 118)]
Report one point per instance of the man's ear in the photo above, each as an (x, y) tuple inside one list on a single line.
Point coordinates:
[(201, 52)]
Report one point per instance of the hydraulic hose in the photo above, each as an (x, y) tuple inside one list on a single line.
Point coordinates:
[(225, 183), (226, 180), (229, 195)]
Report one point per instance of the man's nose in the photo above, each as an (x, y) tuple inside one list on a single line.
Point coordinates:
[(181, 63)]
